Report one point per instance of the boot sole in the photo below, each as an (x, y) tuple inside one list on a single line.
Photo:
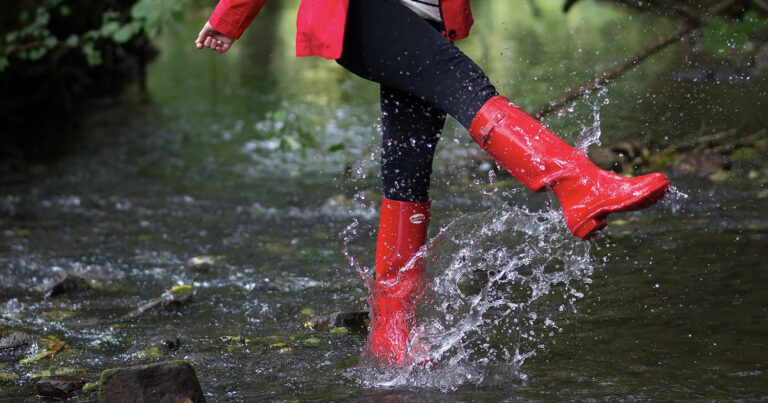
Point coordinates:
[(597, 221)]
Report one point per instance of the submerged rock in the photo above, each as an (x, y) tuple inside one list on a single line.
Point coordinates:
[(354, 321), (59, 387), (203, 261), (14, 346), (171, 300), (172, 381), (165, 343), (69, 285), (156, 348)]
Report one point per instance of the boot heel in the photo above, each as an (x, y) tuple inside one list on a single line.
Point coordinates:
[(590, 228)]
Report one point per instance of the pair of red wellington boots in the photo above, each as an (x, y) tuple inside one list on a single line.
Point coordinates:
[(539, 160)]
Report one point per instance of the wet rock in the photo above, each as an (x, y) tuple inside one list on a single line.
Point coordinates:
[(14, 346), (165, 343), (156, 348), (171, 300), (203, 261), (69, 285), (701, 164), (354, 321), (339, 331), (171, 382), (60, 387)]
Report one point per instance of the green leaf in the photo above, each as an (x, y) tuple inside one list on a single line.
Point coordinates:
[(37, 53), (73, 40), (51, 42), (92, 56), (126, 32), (11, 36), (43, 17), (4, 63), (720, 36), (288, 143), (110, 15), (280, 115), (37, 357), (109, 28)]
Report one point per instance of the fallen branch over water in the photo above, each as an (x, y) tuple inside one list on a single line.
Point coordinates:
[(700, 156), (633, 61)]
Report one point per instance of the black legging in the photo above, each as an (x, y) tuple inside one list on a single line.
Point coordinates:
[(422, 76)]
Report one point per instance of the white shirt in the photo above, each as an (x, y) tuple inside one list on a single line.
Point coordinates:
[(429, 9)]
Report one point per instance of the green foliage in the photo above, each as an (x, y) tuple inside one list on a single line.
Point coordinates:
[(31, 37), (722, 35), (294, 132)]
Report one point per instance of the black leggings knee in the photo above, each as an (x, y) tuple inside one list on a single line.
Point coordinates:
[(423, 76), (411, 129)]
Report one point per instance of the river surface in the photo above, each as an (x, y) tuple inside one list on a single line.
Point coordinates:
[(264, 168)]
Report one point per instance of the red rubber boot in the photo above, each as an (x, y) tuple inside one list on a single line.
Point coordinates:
[(540, 160), (402, 232)]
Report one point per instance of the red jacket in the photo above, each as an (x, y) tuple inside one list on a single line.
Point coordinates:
[(320, 23)]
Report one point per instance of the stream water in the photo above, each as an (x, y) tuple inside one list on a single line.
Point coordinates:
[(264, 168)]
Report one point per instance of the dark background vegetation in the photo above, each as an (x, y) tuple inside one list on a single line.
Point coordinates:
[(57, 54)]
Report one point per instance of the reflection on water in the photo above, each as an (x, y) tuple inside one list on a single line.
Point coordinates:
[(667, 304)]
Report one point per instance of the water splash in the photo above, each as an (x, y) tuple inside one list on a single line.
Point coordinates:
[(674, 200), (590, 134), (499, 283)]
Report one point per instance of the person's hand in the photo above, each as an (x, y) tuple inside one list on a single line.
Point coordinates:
[(211, 38)]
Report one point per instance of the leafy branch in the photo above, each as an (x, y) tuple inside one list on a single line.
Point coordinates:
[(32, 39)]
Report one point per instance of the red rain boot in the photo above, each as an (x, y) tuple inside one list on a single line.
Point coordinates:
[(402, 232), (540, 160)]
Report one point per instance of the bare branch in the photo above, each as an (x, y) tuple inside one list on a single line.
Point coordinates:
[(628, 64)]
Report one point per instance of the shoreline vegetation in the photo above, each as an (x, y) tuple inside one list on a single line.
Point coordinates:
[(56, 55)]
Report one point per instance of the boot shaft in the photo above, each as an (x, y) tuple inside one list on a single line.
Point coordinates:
[(522, 145), (402, 232)]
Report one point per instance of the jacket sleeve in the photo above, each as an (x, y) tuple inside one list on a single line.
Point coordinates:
[(232, 17)]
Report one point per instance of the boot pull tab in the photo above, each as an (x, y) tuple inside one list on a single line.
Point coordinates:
[(485, 131)]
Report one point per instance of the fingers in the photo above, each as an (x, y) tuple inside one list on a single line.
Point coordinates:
[(210, 38), (204, 33)]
